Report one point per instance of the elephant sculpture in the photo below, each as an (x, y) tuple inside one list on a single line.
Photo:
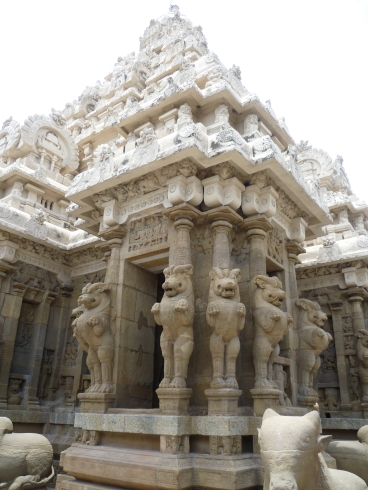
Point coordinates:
[(25, 459)]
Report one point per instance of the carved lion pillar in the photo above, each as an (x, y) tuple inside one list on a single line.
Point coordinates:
[(175, 313), (10, 312), (226, 317)]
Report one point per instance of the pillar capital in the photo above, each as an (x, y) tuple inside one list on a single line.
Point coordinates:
[(182, 211), (113, 233), (256, 225)]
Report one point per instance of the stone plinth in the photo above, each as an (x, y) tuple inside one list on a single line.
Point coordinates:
[(174, 401), (223, 401), (308, 401), (264, 398), (96, 402)]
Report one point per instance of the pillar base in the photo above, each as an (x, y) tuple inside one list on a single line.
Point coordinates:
[(223, 401), (365, 410), (174, 401), (308, 401), (96, 402), (264, 398)]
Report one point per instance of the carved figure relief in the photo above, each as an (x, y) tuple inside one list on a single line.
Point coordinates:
[(71, 351), (275, 245), (15, 395), (332, 399), (25, 325), (312, 341), (35, 225), (93, 332), (280, 378), (176, 313), (46, 368), (226, 445), (271, 325), (354, 381), (362, 356), (226, 317), (147, 149)]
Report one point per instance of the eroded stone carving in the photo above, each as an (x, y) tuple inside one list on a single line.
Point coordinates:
[(176, 313), (147, 149), (226, 445), (271, 325), (25, 459), (226, 316), (312, 341), (362, 356), (93, 332), (35, 225), (291, 450)]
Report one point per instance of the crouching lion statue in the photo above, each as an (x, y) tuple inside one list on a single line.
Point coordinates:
[(312, 341), (271, 325), (92, 330), (226, 316), (25, 459), (176, 313)]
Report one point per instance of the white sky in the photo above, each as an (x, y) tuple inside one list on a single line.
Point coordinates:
[(309, 57)]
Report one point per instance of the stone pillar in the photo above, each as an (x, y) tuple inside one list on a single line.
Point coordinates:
[(221, 248), (356, 297), (291, 341), (58, 330), (10, 312), (342, 368), (256, 232), (39, 336), (224, 394), (173, 400), (113, 236)]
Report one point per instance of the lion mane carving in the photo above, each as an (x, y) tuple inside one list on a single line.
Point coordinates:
[(176, 314), (362, 355), (312, 341), (92, 330), (25, 459), (271, 325), (226, 316)]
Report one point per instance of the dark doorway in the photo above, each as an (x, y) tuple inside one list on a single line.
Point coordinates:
[(158, 360)]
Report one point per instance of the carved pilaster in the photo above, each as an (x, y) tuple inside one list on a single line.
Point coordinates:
[(114, 240), (10, 312)]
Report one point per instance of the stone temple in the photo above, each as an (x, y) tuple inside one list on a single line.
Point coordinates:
[(172, 264)]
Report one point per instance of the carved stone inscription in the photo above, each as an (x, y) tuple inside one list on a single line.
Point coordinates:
[(147, 232)]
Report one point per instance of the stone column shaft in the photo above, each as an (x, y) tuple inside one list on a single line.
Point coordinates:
[(39, 335), (182, 249), (10, 312), (342, 370), (221, 248), (357, 314)]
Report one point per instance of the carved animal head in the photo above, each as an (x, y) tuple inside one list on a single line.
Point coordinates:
[(93, 294), (310, 313), (225, 283), (177, 280), (271, 289), (290, 448), (363, 337), (6, 425)]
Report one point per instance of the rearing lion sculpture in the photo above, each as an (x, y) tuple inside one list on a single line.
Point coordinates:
[(176, 313), (312, 341), (25, 459), (271, 325), (92, 330), (226, 316)]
